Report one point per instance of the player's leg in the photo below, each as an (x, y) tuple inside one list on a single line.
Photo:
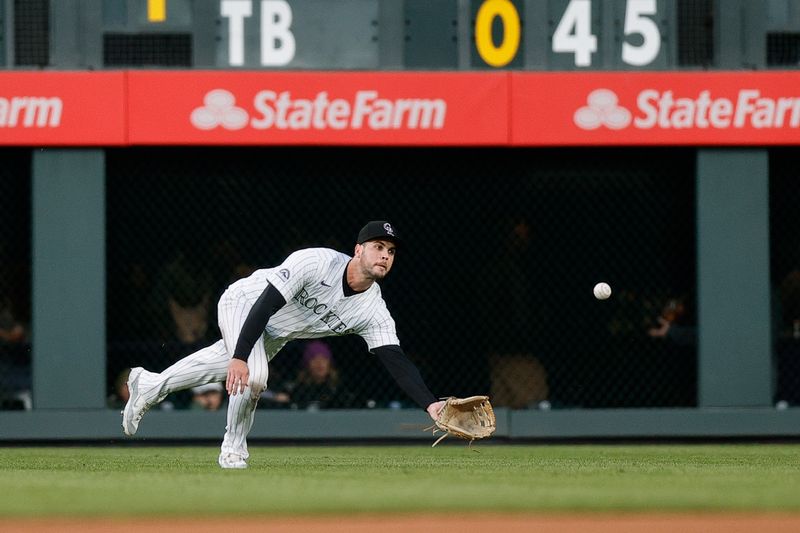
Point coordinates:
[(241, 411), (241, 407), (148, 388)]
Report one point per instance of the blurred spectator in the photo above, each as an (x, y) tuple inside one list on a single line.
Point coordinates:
[(182, 296), (11, 329), (318, 384), (519, 381), (672, 337), (789, 295), (786, 323), (209, 397), (15, 367), (119, 396), (185, 289), (190, 320), (675, 323), (515, 318)]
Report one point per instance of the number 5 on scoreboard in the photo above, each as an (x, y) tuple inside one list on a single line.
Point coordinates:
[(636, 21), (574, 33)]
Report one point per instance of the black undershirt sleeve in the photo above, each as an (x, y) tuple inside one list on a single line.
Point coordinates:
[(267, 305), (405, 373)]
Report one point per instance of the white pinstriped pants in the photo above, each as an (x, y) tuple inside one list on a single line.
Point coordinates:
[(210, 365)]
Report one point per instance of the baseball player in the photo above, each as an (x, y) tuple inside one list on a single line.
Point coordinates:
[(315, 292)]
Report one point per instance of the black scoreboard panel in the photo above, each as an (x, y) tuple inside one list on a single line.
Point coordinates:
[(406, 34), (27, 25), (3, 44), (430, 34)]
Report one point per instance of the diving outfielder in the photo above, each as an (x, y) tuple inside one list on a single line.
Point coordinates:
[(315, 292)]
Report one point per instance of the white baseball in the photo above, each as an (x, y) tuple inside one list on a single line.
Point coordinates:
[(602, 291)]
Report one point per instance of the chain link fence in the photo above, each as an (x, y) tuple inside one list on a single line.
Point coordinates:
[(785, 272), (492, 294), (695, 33), (31, 33), (147, 50), (15, 300)]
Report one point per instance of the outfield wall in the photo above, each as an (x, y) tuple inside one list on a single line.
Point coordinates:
[(736, 374), (406, 425)]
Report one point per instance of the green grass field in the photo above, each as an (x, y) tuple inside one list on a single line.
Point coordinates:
[(127, 481)]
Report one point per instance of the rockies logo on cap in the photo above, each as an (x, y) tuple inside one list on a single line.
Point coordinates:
[(378, 229)]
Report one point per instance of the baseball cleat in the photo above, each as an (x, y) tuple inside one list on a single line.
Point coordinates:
[(232, 460), (135, 408)]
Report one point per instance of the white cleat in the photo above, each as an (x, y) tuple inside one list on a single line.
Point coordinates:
[(135, 408), (232, 460)]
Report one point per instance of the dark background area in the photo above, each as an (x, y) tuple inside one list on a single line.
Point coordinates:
[(15, 280), (458, 292), (617, 215)]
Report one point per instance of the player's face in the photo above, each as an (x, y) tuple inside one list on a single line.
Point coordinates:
[(376, 258)]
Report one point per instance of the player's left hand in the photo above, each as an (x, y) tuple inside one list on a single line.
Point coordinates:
[(434, 408), (238, 377)]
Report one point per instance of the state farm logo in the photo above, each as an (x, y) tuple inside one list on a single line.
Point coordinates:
[(219, 110), (664, 110), (282, 111), (602, 110), (31, 111)]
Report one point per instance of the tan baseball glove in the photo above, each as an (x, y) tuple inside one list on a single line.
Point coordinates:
[(467, 418)]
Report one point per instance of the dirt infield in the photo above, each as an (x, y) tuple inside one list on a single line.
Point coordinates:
[(606, 523)]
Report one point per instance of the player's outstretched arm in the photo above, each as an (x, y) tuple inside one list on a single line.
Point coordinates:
[(407, 376)]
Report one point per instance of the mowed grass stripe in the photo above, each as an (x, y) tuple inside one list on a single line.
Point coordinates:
[(133, 481)]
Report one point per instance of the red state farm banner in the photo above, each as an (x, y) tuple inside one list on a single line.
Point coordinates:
[(657, 108), (62, 108), (399, 108), (332, 108)]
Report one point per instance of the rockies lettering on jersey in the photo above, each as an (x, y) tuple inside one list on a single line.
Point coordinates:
[(331, 319)]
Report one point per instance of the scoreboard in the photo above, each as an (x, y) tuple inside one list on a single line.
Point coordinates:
[(280, 34), (575, 34), (401, 72), (418, 34)]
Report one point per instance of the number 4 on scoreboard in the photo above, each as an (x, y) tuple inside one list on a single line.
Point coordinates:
[(574, 33)]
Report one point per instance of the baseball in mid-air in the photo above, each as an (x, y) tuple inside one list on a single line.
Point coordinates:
[(602, 291)]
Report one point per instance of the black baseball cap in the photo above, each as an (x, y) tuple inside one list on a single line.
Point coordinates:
[(378, 229)]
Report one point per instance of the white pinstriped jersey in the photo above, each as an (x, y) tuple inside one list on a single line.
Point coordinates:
[(310, 281)]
